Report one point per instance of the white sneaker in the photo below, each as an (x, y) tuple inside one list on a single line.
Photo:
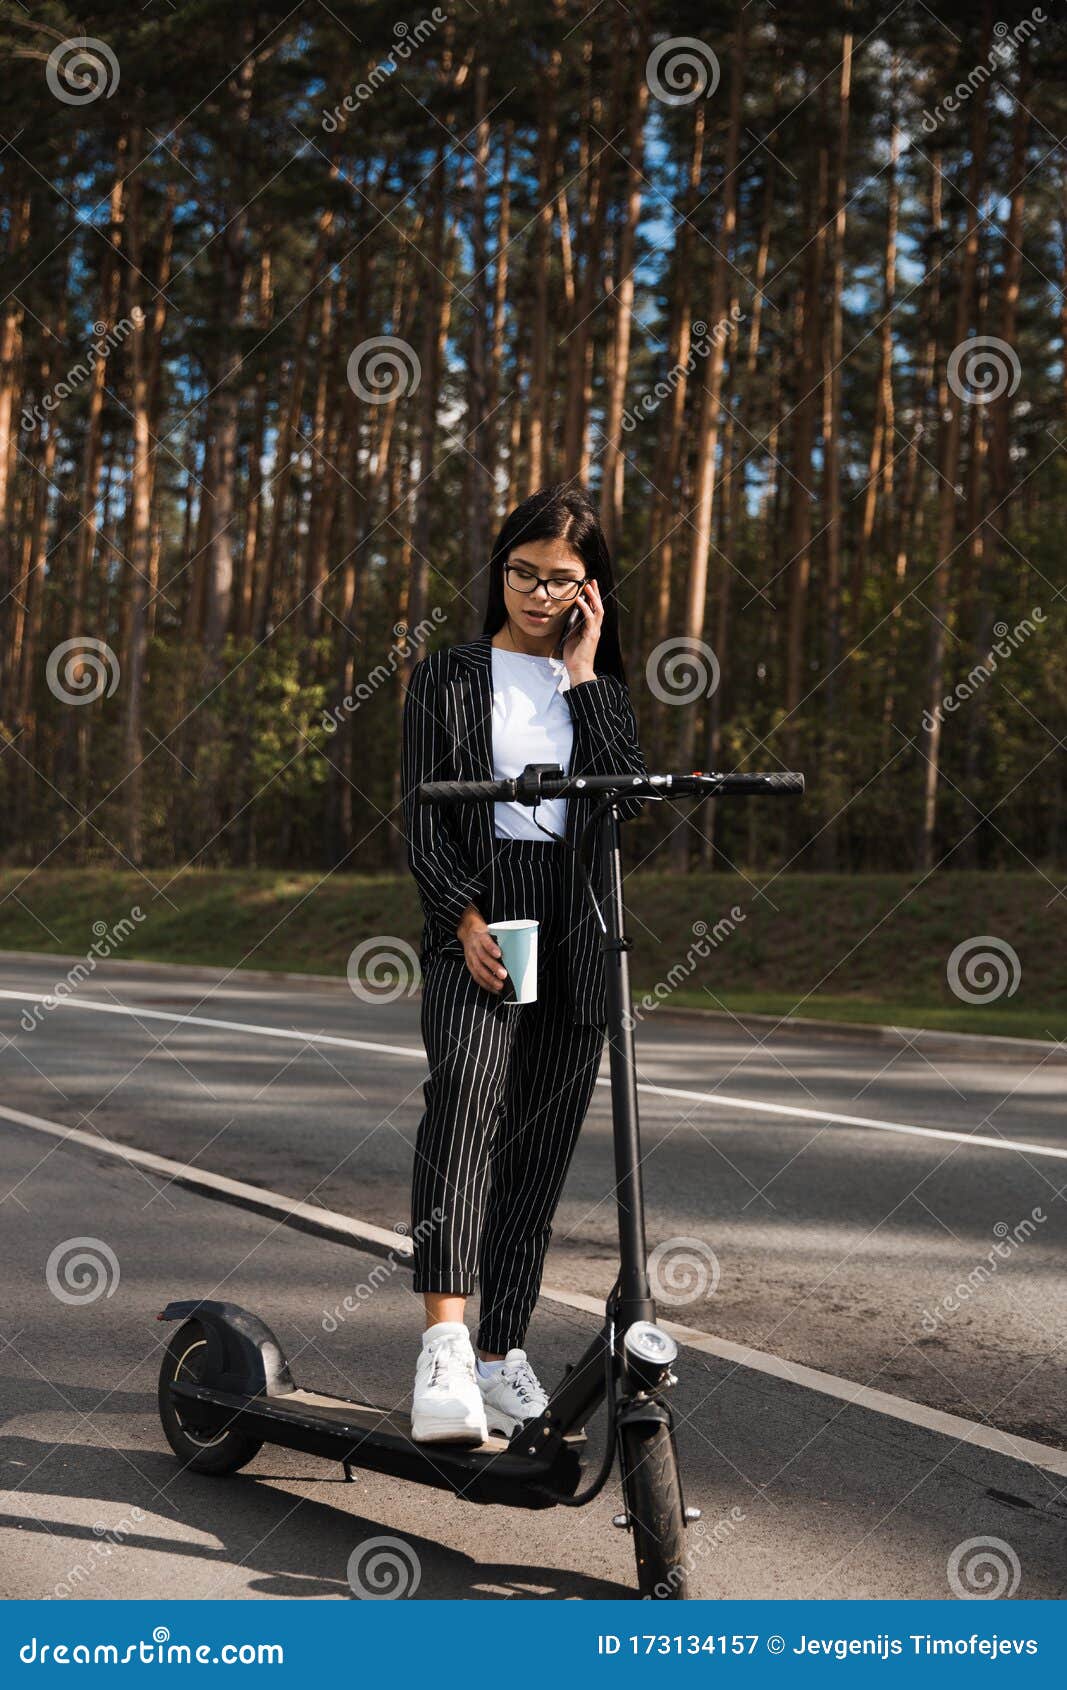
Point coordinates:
[(512, 1393), (447, 1405)]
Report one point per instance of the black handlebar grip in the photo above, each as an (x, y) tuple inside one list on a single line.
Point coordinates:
[(778, 783), (465, 791)]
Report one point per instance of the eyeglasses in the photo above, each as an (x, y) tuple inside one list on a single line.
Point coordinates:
[(523, 580)]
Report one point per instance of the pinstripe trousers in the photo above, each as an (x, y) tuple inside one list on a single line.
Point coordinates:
[(507, 1092)]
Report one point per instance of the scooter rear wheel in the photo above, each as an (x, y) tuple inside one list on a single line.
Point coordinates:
[(653, 1495), (204, 1449)]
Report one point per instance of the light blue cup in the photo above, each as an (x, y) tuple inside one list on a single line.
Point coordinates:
[(518, 950)]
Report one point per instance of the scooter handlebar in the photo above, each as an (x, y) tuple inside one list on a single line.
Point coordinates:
[(537, 783)]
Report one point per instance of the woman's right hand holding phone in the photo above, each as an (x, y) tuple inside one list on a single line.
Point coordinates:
[(481, 951)]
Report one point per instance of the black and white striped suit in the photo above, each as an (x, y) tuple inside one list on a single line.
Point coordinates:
[(509, 1084), (448, 736)]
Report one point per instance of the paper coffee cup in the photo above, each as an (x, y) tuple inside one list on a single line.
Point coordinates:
[(518, 950)]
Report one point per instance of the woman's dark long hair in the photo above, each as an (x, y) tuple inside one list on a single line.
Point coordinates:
[(563, 512)]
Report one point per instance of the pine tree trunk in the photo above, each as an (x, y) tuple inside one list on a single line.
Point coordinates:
[(807, 319), (710, 412), (480, 468), (140, 532), (539, 400), (614, 461), (832, 782), (949, 470), (10, 341)]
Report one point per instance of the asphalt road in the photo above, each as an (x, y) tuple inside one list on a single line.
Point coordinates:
[(801, 1497), (844, 1247)]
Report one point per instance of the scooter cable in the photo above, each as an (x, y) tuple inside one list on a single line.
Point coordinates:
[(578, 846), (580, 1498)]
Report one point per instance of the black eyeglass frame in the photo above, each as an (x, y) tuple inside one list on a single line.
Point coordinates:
[(545, 581)]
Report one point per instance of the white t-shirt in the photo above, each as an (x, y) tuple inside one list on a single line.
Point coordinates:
[(531, 724)]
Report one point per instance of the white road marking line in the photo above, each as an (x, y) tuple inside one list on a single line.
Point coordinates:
[(719, 1100), (210, 1021), (973, 1432), (344, 1230), (272, 1202), (867, 1121)]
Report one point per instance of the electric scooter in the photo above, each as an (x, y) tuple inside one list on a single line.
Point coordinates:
[(225, 1388)]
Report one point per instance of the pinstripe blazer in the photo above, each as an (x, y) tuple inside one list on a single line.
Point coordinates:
[(447, 735)]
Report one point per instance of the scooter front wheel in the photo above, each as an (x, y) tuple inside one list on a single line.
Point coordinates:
[(653, 1494), (204, 1449)]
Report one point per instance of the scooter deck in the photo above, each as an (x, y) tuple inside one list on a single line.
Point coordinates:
[(363, 1417), (380, 1440)]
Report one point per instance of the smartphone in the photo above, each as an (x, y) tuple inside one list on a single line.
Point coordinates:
[(574, 620)]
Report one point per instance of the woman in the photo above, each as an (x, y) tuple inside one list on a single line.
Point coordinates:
[(509, 1083)]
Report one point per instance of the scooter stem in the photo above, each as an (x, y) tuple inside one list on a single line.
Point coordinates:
[(634, 1300)]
